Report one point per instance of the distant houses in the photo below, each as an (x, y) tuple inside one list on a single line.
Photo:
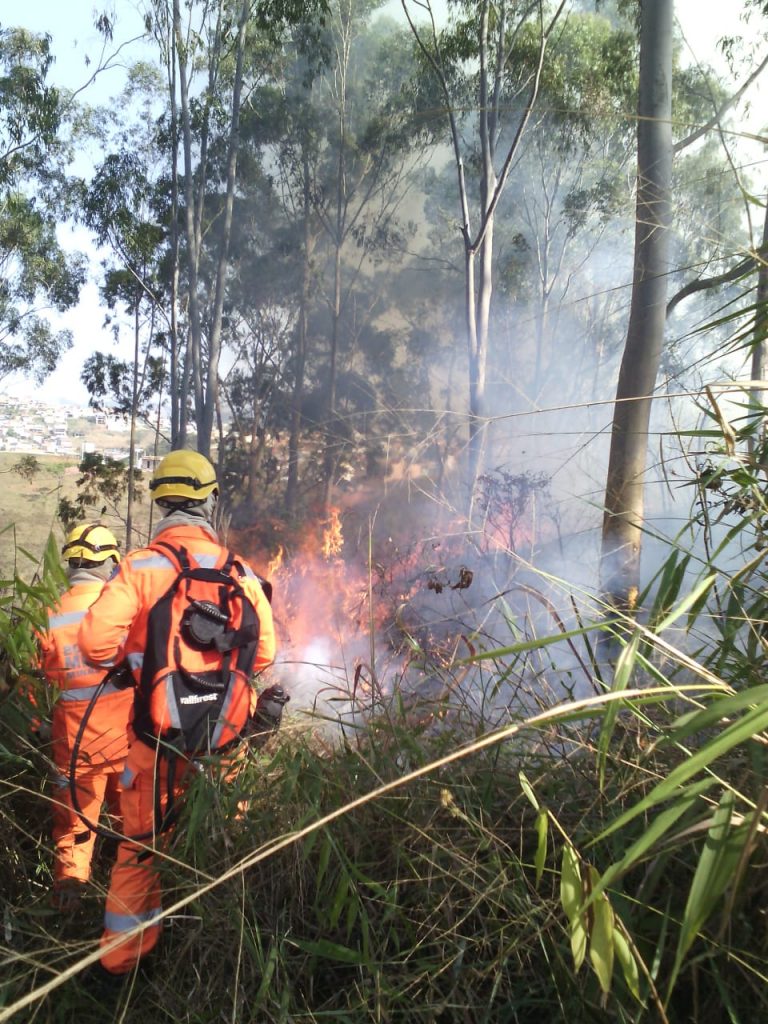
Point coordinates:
[(30, 427)]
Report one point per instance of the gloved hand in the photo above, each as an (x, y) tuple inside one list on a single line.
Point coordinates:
[(269, 710)]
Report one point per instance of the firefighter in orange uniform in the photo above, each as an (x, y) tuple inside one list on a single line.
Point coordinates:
[(92, 555), (184, 486)]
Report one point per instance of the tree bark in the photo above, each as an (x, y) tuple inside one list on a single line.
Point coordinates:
[(205, 427), (624, 493), (294, 438)]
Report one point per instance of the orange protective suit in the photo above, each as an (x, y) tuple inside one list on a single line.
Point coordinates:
[(104, 743), (114, 630)]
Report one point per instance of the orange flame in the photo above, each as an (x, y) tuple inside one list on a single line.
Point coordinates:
[(275, 563), (332, 536)]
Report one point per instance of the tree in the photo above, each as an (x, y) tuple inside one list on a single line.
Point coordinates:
[(624, 497), (337, 129), (217, 40), (700, 104), (128, 213), (470, 61), (35, 272)]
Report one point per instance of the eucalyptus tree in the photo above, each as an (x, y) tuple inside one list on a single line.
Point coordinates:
[(469, 61), (125, 206), (344, 161), (622, 522), (360, 174), (35, 271), (565, 207), (660, 83), (216, 52)]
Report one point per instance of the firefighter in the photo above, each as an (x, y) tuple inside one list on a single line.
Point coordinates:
[(92, 556), (184, 487)]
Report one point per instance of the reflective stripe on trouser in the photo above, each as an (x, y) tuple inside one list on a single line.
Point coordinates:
[(134, 889), (73, 840)]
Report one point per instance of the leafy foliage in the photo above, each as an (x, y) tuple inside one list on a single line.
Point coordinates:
[(34, 268), (102, 483)]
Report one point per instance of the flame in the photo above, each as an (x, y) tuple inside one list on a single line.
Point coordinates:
[(332, 536), (275, 563)]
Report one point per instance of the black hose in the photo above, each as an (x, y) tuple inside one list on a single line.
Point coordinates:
[(165, 822)]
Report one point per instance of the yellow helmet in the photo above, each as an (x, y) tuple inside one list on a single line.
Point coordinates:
[(91, 542), (183, 476)]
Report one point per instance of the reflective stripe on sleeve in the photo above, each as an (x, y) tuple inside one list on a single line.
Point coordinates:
[(156, 561), (135, 660), (66, 619), (125, 922), (86, 692)]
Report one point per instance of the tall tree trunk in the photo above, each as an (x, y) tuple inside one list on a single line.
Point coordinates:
[(331, 439), (178, 410), (134, 410), (479, 306), (294, 439), (205, 427), (193, 250), (332, 442), (624, 498)]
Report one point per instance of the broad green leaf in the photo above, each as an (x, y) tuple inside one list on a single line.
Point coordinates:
[(721, 707), (627, 962), (267, 974), (601, 937), (621, 679), (571, 891), (527, 788), (542, 824), (750, 724), (572, 898), (340, 898), (670, 583), (330, 951), (696, 594), (714, 872), (657, 828), (322, 863), (578, 942)]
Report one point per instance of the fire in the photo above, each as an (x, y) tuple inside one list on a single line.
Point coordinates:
[(332, 536), (275, 563), (350, 623)]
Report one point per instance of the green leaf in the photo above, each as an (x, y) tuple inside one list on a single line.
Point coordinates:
[(750, 724), (542, 825), (627, 962), (340, 898), (601, 937), (530, 645), (527, 788), (650, 835), (621, 679), (572, 898), (720, 708), (714, 872), (330, 951), (325, 856), (691, 599)]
